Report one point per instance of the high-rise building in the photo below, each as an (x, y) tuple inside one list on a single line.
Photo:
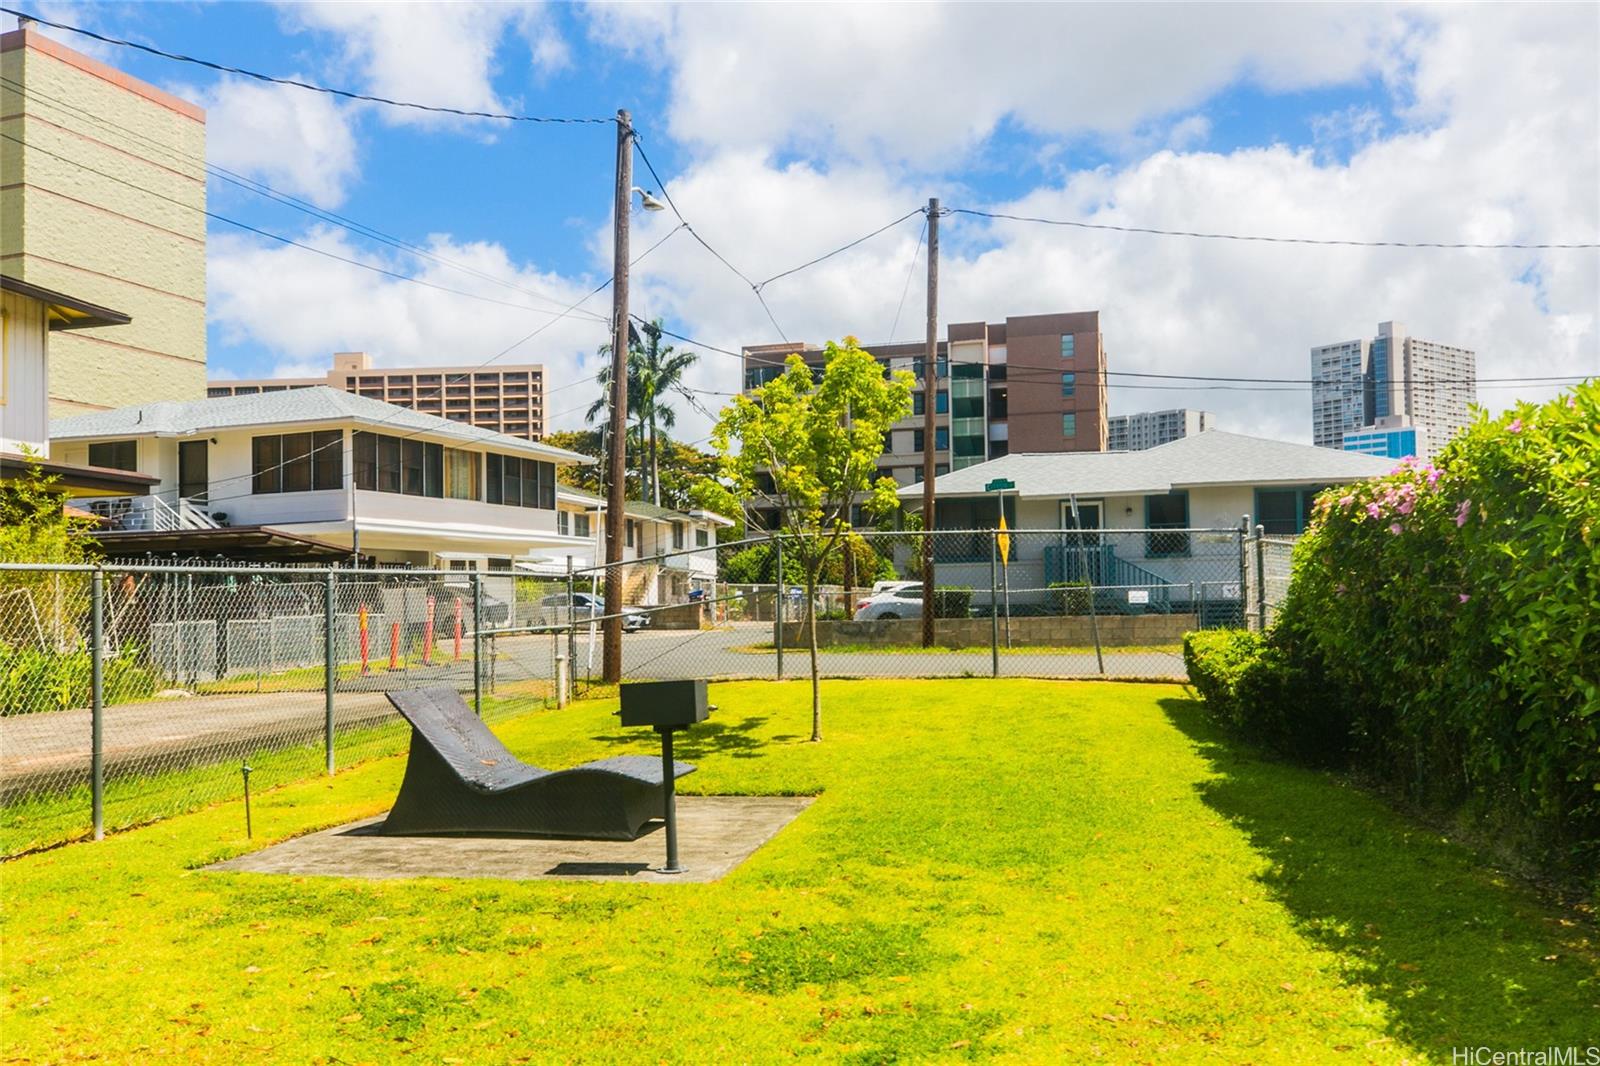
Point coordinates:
[(1356, 383), (1033, 383), (1136, 432), (104, 197), (506, 399), (1391, 437)]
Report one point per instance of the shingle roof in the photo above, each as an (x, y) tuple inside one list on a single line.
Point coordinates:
[(1209, 458), (319, 403), (635, 508)]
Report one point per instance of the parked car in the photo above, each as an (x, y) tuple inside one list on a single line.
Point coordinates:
[(903, 599), (496, 612), (586, 607)]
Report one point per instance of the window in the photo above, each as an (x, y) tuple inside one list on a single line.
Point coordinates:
[(411, 463), (941, 404), (491, 479), (327, 454), (1069, 384), (677, 536), (1163, 513), (941, 439), (115, 454), (581, 525), (1069, 424), (1285, 512), (702, 538), (1068, 343), (388, 464), (630, 531), (364, 456), (460, 474), (266, 464), (564, 523), (433, 470)]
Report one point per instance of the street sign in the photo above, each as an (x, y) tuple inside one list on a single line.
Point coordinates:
[(1138, 595), (1000, 484), (1003, 540)]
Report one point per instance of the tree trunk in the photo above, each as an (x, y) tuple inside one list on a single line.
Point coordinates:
[(655, 467), (811, 639)]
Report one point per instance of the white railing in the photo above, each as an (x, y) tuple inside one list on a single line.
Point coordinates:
[(151, 514)]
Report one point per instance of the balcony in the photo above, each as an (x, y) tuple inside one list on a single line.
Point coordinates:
[(150, 514)]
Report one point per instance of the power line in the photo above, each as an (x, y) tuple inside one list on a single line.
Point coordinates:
[(178, 57), (261, 188), (1257, 237), (911, 269), (842, 248)]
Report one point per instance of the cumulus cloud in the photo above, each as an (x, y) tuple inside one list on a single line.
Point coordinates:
[(297, 141), (436, 53)]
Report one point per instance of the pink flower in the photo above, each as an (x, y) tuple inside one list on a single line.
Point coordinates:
[(1434, 474), (1374, 510), (1396, 528), (1406, 507), (1346, 501), (1515, 426), (1465, 597), (1462, 512)]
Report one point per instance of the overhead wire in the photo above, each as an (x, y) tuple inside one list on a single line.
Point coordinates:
[(346, 94)]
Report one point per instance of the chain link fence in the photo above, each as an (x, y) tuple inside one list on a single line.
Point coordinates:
[(132, 692)]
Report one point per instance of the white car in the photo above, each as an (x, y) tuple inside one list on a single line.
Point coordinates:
[(586, 607), (900, 599)]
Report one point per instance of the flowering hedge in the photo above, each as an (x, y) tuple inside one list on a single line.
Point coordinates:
[(1455, 609)]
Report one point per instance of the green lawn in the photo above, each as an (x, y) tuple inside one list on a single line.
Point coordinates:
[(1011, 870), (770, 648)]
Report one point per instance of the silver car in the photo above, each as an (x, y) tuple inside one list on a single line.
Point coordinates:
[(899, 599), (586, 607)]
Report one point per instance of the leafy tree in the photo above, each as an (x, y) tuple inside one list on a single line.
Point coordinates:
[(35, 528), (682, 467), (819, 441)]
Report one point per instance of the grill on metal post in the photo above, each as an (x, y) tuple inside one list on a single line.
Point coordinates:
[(668, 706)]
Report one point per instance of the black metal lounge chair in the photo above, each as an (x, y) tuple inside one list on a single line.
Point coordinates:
[(460, 780)]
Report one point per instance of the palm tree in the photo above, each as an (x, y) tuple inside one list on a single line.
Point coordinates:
[(655, 371)]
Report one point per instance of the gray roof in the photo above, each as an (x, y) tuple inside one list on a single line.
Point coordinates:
[(634, 508), (275, 410), (1209, 458)]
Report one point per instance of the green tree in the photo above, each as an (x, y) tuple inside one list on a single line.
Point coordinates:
[(819, 440), (655, 372), (34, 526), (682, 466)]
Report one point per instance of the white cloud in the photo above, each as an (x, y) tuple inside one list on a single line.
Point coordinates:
[(925, 81), (297, 141), (434, 53)]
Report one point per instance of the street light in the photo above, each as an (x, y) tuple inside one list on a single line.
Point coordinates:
[(647, 200)]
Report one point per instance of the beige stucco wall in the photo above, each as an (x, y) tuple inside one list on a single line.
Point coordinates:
[(105, 202)]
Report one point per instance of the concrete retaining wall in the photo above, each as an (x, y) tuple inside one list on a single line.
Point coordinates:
[(1060, 631)]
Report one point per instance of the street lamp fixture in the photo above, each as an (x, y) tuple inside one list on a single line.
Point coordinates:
[(647, 200)]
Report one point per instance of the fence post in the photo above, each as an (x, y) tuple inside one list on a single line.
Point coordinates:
[(1244, 573), (994, 602), (777, 610), (477, 642), (330, 667), (97, 709), (572, 626), (1261, 580)]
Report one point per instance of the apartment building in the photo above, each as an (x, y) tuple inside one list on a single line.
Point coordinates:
[(104, 197), (1147, 429), (1393, 375), (1390, 437), (1031, 383), (503, 399)]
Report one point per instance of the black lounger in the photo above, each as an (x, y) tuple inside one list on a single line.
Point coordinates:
[(460, 780)]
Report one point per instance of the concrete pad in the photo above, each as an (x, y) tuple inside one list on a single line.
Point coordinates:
[(715, 835)]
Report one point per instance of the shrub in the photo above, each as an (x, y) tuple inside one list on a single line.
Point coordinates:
[(952, 601), (1454, 609), (34, 679), (1070, 597), (1265, 690)]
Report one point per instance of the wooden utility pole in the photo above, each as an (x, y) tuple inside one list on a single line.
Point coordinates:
[(616, 506), (930, 437)]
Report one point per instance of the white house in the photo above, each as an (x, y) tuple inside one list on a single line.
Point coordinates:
[(28, 315), (273, 475), (669, 553), (1179, 504)]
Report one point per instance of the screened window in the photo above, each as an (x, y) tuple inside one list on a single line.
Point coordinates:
[(460, 474), (411, 464), (1285, 512), (1069, 384), (581, 525), (433, 470), (327, 459), (297, 462), (388, 464), (702, 538), (677, 536), (1166, 517), (364, 456), (266, 464), (1069, 425), (491, 479), (564, 523), (115, 454), (630, 531)]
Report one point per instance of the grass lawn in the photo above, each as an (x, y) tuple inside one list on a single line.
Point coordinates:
[(769, 648), (1010, 870)]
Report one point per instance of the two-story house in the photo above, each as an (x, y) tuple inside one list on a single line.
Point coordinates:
[(268, 475)]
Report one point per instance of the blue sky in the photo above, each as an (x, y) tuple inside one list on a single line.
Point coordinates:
[(785, 131)]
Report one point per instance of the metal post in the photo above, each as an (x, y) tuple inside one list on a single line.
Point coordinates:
[(330, 668), (572, 626), (994, 601), (477, 642), (616, 505), (1261, 581), (777, 610), (1244, 584), (669, 794), (930, 436), (249, 831), (1088, 581), (97, 709)]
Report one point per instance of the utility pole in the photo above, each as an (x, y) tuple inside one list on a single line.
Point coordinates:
[(616, 506), (930, 401)]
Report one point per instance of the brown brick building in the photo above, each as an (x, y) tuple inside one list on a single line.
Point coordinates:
[(1033, 383)]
